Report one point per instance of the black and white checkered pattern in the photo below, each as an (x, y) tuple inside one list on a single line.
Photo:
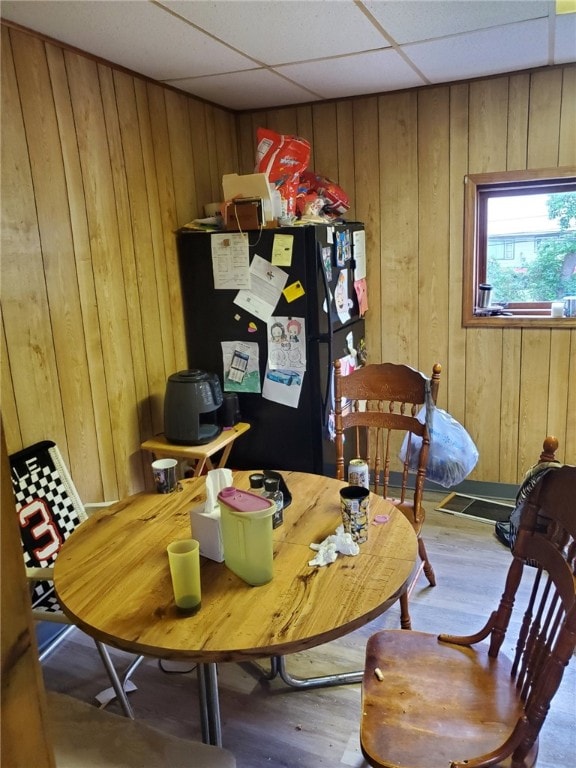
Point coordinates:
[(38, 473)]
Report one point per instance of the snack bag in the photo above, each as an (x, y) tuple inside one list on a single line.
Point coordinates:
[(337, 201), (282, 159)]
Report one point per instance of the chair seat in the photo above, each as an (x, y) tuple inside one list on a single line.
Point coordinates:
[(437, 702), (87, 737)]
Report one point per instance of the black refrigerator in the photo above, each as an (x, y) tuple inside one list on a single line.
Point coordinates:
[(279, 364)]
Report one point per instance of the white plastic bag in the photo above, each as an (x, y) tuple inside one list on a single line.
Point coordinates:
[(452, 454)]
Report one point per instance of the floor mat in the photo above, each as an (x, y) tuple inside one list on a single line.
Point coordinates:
[(486, 510)]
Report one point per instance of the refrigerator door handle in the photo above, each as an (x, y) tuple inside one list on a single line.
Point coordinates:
[(327, 399), (326, 300)]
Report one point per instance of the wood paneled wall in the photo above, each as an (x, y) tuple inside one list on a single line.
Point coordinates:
[(402, 158), (99, 167)]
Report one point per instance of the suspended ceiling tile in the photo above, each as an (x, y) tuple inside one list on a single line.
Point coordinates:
[(150, 41), (362, 73), (280, 32), (565, 39), (518, 46), (419, 20), (246, 90)]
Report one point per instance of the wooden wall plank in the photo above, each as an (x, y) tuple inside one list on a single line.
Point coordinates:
[(246, 143), (567, 149), (452, 393), (367, 194), (488, 132), (345, 127), (103, 227), (393, 294), (518, 103), (170, 296), (304, 117), (534, 382), (119, 106), (284, 121), (568, 450), (202, 174), (102, 468), (181, 157), (51, 199), (227, 147), (325, 141), (433, 226), (212, 149), (25, 310), (558, 388), (9, 408), (488, 125), (153, 123), (544, 136), (510, 470)]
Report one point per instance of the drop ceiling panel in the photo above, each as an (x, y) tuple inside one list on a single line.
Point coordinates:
[(516, 46), (565, 39), (278, 32), (418, 20), (354, 75), (137, 35), (266, 89), (247, 54)]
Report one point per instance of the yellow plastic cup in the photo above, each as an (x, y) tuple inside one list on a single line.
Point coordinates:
[(184, 561)]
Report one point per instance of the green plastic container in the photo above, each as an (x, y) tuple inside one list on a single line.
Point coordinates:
[(246, 521)]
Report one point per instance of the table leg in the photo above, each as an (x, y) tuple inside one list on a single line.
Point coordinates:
[(209, 704), (278, 667), (225, 454), (200, 464)]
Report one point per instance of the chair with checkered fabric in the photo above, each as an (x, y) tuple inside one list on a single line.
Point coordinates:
[(49, 509)]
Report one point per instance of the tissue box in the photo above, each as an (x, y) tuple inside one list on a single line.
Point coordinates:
[(206, 529)]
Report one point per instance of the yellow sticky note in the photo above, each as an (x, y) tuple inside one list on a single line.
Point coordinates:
[(565, 6), (282, 250), (293, 291)]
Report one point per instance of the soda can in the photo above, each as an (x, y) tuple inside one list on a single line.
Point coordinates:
[(358, 473)]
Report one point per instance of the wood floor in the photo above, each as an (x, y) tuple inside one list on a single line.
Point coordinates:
[(265, 724)]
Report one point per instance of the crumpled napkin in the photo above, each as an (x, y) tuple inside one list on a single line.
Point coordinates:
[(328, 549)]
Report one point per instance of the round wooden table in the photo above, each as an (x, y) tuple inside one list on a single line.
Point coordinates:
[(112, 579)]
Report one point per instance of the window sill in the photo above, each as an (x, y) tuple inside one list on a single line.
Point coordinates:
[(519, 321)]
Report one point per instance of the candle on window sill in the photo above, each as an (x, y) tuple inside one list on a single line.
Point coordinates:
[(557, 309)]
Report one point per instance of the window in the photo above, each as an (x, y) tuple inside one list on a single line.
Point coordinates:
[(520, 241)]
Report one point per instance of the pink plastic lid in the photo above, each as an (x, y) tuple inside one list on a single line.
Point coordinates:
[(243, 501)]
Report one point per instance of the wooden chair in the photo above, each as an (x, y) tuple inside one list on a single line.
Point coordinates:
[(371, 404), (431, 701)]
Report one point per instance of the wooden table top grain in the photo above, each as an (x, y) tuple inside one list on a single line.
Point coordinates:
[(112, 577)]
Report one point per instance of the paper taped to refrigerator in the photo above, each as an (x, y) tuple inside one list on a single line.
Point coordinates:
[(266, 284)]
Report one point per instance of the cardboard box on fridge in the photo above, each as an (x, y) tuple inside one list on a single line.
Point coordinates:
[(251, 185)]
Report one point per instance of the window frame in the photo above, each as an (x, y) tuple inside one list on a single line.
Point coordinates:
[(536, 313)]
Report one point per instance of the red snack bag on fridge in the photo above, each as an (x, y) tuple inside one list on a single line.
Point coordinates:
[(282, 159), (337, 201)]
